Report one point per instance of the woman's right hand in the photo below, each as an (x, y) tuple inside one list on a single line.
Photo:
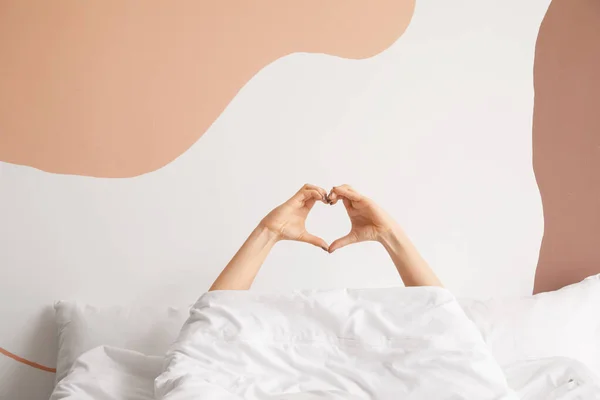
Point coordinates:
[(287, 221)]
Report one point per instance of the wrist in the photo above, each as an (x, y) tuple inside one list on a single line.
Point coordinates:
[(394, 239), (268, 234)]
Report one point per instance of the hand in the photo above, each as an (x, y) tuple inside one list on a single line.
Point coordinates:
[(369, 221), (287, 221)]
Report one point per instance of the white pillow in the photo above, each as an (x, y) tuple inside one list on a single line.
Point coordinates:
[(81, 327), (563, 323), (107, 373)]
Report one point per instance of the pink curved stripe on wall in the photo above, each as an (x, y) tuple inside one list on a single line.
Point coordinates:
[(566, 142), (120, 88), (26, 362)]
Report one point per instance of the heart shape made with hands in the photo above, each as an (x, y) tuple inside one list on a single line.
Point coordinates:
[(367, 220)]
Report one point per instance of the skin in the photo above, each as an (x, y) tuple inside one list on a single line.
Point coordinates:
[(287, 222)]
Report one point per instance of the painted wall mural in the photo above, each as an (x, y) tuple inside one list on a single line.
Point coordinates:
[(27, 362), (120, 89), (427, 107), (566, 142)]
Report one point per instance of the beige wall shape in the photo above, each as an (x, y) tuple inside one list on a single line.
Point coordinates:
[(566, 142), (120, 88)]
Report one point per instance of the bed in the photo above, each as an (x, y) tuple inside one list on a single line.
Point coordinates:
[(410, 343)]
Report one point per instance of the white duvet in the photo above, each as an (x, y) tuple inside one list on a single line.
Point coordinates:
[(345, 344)]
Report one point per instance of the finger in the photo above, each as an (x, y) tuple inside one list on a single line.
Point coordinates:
[(309, 197), (322, 191), (347, 192), (314, 240), (344, 191), (343, 241), (306, 193), (333, 198)]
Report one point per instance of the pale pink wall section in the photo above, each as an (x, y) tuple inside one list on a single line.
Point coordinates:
[(566, 142), (120, 88)]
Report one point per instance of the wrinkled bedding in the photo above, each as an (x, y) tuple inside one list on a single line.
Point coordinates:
[(383, 344), (343, 344)]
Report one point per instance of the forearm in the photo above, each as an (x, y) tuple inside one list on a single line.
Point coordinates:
[(244, 266), (413, 269)]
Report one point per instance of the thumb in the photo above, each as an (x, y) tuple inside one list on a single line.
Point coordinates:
[(343, 241), (314, 240)]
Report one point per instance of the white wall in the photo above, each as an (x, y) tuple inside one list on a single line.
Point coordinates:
[(437, 129)]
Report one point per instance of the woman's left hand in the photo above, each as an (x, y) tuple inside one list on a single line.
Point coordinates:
[(369, 221), (287, 221)]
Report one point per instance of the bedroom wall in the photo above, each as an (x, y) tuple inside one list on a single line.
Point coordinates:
[(140, 142)]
